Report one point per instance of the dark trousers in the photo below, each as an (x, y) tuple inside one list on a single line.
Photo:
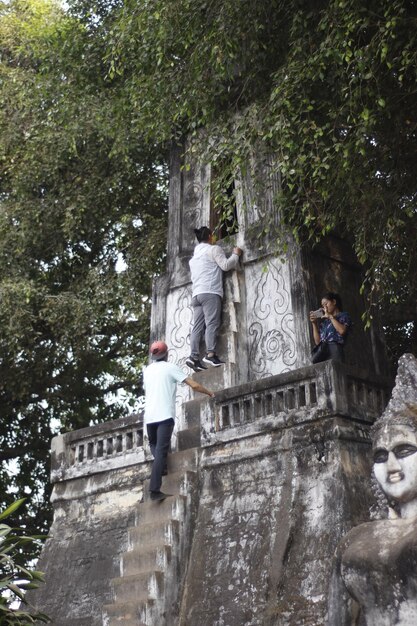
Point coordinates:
[(159, 435), (336, 352)]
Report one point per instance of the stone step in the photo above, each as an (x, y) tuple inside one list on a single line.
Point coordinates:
[(151, 613), (125, 622), (153, 556), (162, 532), (183, 460), (189, 438), (213, 378), (170, 508), (139, 587), (180, 482), (192, 411), (176, 483), (129, 613)]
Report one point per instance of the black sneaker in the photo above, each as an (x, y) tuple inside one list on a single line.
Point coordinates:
[(195, 364), (214, 360), (158, 495)]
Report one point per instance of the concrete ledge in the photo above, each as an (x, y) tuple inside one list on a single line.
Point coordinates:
[(100, 448), (303, 395), (290, 399)]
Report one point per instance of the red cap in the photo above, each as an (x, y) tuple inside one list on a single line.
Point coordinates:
[(158, 349)]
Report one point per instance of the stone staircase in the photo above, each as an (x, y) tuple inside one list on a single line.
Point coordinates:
[(148, 590)]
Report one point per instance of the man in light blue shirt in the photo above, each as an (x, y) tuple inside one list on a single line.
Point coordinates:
[(160, 383)]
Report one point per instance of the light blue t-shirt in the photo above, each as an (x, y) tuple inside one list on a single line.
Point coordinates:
[(160, 383)]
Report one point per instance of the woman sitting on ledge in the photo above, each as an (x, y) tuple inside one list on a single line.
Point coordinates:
[(330, 328)]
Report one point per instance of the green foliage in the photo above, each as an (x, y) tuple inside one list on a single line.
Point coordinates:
[(90, 99), (185, 62), (345, 134), (82, 233), (15, 579), (328, 90)]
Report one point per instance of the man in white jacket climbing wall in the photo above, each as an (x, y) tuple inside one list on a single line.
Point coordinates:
[(207, 266)]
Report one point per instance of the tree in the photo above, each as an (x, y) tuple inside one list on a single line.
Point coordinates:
[(91, 98), (80, 194), (15, 579), (330, 90)]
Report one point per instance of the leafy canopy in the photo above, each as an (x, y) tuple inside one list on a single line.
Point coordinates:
[(15, 579), (82, 196), (90, 99), (329, 90)]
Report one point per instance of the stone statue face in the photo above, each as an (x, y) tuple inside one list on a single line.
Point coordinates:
[(395, 462)]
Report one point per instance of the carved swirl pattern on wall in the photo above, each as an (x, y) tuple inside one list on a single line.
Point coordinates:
[(287, 325), (275, 340), (179, 317), (179, 336), (271, 293)]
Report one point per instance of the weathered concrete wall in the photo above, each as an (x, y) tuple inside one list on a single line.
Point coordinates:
[(98, 476), (285, 469), (280, 475), (272, 511)]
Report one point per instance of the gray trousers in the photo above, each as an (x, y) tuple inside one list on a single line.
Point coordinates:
[(207, 309)]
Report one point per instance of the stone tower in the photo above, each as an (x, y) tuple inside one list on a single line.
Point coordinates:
[(266, 478), (265, 327)]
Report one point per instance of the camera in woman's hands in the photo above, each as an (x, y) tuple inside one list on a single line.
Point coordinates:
[(317, 314)]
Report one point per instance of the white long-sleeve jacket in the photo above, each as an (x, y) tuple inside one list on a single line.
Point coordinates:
[(207, 266)]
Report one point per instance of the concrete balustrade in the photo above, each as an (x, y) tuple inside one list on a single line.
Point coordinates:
[(99, 448), (290, 398), (295, 397)]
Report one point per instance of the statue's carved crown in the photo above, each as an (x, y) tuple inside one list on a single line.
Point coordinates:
[(402, 407)]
